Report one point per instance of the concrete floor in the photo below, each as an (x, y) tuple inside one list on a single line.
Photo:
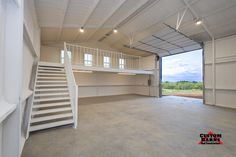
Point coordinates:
[(137, 126)]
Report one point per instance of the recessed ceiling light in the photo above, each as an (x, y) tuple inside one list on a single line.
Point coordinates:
[(81, 29), (198, 22), (115, 30)]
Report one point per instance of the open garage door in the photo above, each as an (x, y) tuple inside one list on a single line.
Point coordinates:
[(167, 42)]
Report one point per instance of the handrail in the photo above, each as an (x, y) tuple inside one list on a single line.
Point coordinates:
[(31, 97), (95, 49), (78, 52), (73, 89)]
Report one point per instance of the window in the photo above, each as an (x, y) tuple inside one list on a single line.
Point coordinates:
[(121, 63), (63, 56), (88, 59), (106, 62)]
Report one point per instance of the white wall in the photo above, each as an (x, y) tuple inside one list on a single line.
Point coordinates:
[(31, 43), (225, 52), (11, 36), (50, 54), (147, 63), (104, 84), (31, 26), (2, 31), (31, 53)]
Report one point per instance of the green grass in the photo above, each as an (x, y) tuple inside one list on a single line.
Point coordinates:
[(177, 92)]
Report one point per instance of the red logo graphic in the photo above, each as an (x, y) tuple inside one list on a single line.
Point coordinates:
[(210, 138)]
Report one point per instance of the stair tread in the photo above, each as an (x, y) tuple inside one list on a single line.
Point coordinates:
[(51, 110), (50, 99), (53, 117), (51, 89), (51, 68), (49, 64), (50, 71), (48, 74), (51, 78), (51, 104), (51, 81), (52, 85), (50, 125), (51, 94)]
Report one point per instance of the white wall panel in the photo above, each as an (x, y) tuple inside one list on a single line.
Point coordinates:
[(208, 96), (226, 98), (28, 60), (207, 54), (2, 34), (87, 91), (208, 76), (93, 91), (226, 47), (50, 54), (32, 26), (147, 63), (225, 85), (104, 84), (142, 90), (226, 75)]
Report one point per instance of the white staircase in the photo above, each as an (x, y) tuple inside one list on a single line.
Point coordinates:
[(52, 105)]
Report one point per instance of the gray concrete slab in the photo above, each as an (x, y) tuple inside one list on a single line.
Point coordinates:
[(138, 126)]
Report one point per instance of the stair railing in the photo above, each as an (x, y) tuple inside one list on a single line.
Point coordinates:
[(31, 98), (73, 89)]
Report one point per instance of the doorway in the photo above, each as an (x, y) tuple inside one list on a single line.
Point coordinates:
[(182, 75)]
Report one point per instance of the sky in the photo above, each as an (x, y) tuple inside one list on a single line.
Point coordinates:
[(183, 67)]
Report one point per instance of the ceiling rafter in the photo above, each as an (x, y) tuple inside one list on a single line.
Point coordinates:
[(131, 16), (214, 12), (87, 18), (197, 16), (160, 21), (107, 18), (63, 19)]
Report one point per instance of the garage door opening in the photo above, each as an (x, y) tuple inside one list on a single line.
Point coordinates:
[(182, 75)]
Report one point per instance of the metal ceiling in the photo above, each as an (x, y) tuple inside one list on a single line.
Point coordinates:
[(136, 19), (167, 42)]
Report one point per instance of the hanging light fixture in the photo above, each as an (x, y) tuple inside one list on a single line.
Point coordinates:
[(198, 22), (115, 30), (81, 30)]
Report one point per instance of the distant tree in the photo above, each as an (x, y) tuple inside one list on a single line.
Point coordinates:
[(182, 85)]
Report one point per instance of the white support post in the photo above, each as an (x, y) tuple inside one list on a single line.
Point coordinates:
[(97, 57), (213, 73), (213, 52), (179, 20)]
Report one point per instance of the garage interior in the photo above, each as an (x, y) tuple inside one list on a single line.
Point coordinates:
[(83, 78)]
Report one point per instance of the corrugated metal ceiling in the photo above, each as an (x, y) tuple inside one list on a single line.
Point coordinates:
[(166, 42)]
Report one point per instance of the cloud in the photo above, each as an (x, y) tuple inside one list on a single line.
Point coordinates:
[(175, 68)]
